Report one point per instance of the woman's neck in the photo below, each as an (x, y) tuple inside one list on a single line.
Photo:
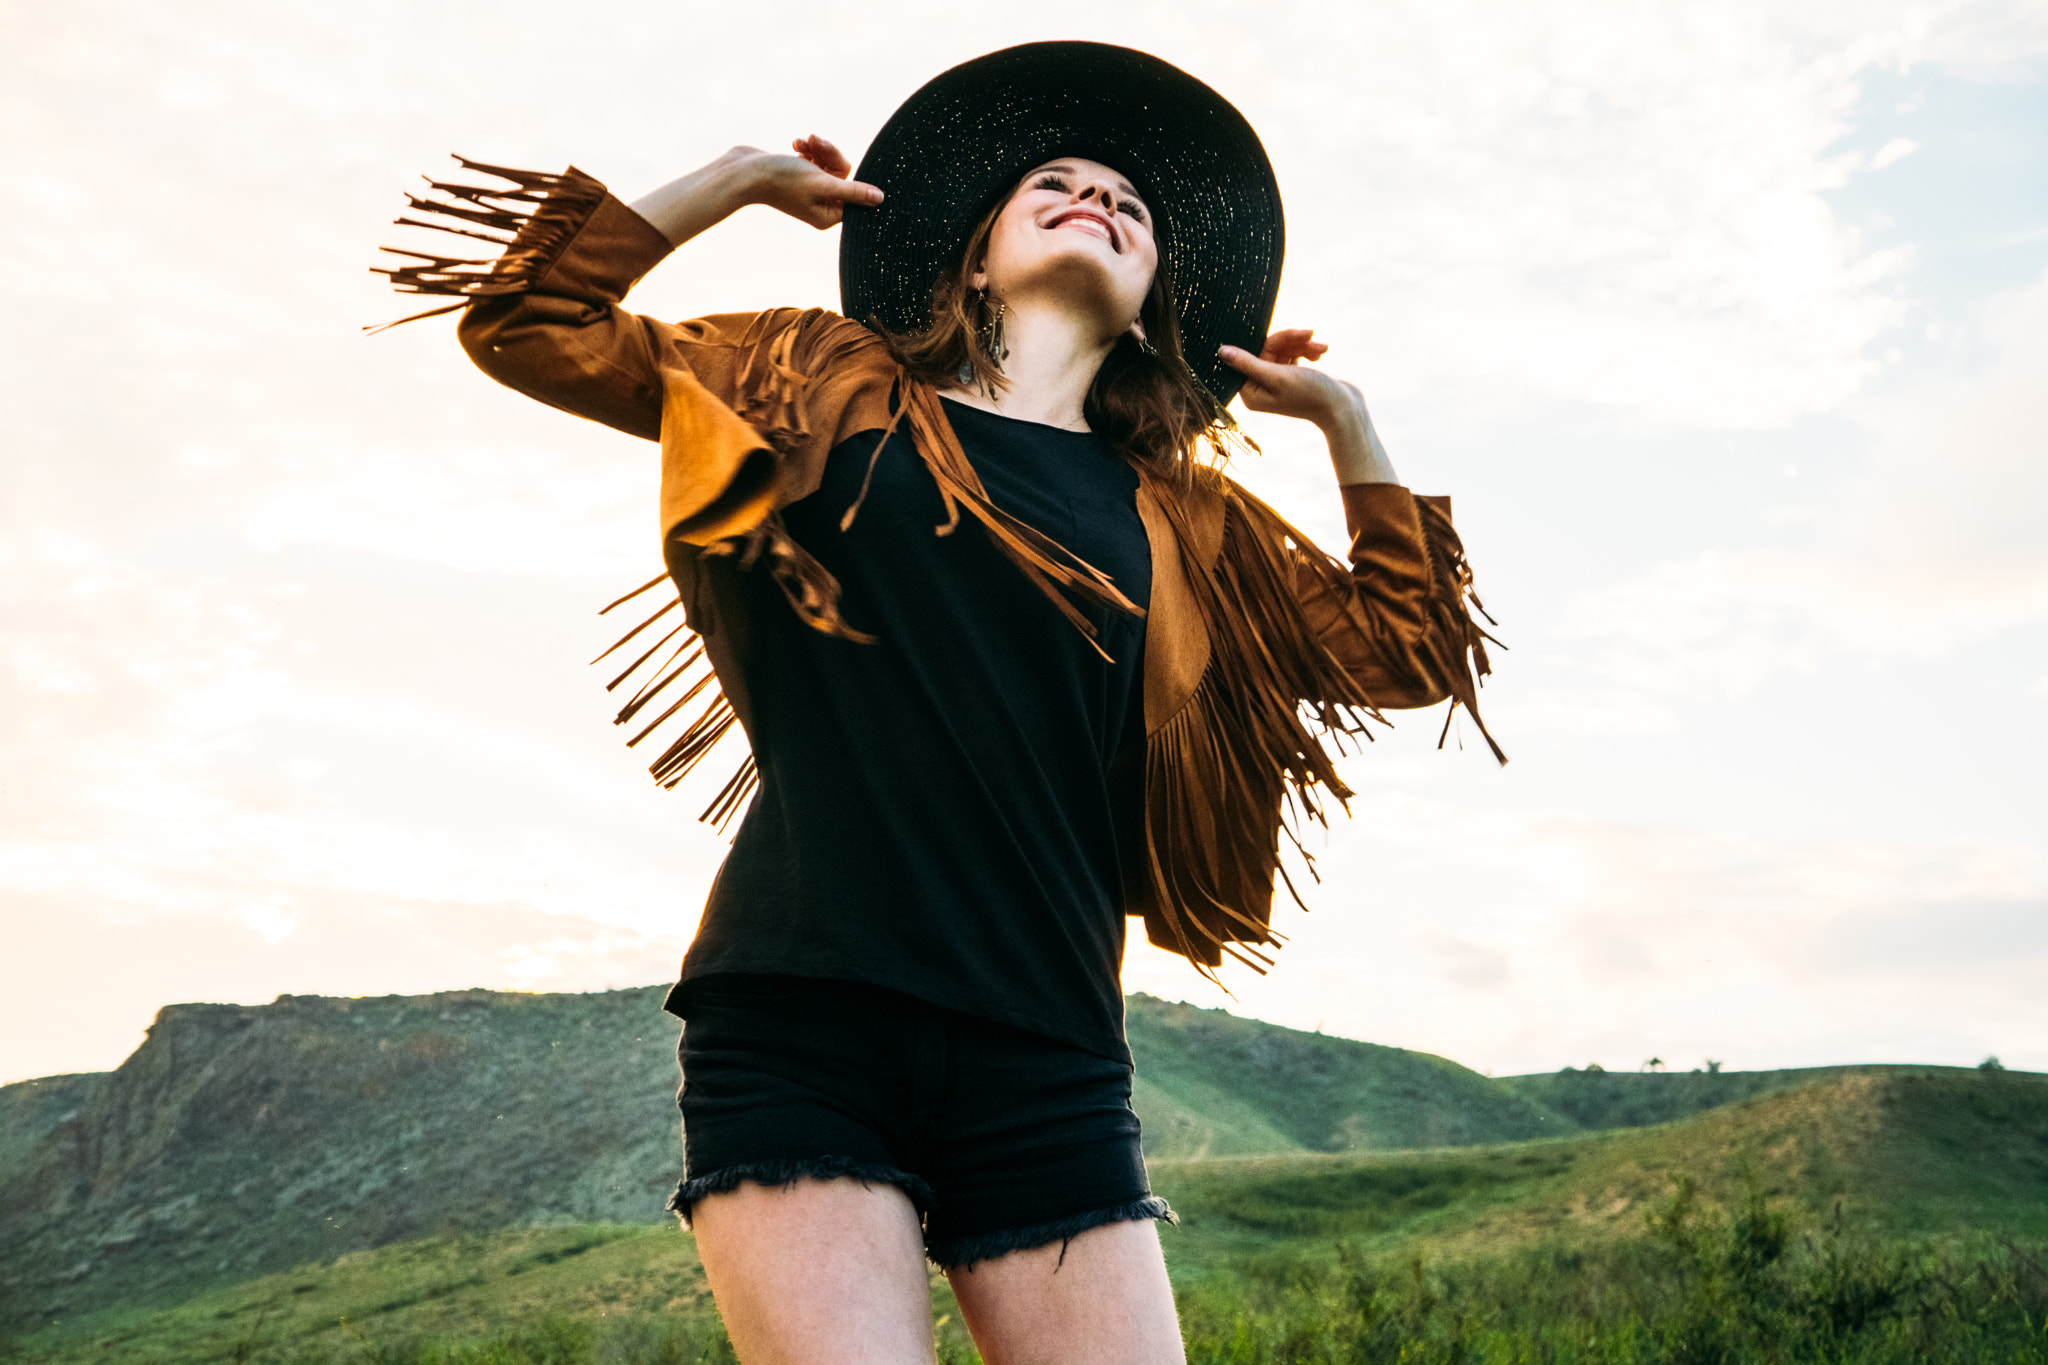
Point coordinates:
[(1052, 359)]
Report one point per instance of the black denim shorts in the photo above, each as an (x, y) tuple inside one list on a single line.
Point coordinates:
[(1003, 1139)]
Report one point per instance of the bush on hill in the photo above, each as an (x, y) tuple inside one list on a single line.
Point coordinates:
[(1730, 1287)]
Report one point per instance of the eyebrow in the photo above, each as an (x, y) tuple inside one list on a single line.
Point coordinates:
[(1122, 186)]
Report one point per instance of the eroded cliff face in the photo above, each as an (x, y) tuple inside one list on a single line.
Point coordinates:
[(241, 1139)]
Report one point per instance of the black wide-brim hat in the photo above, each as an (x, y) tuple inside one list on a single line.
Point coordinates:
[(967, 137)]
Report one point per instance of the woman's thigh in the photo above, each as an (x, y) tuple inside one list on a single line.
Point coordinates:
[(1101, 1298), (818, 1270)]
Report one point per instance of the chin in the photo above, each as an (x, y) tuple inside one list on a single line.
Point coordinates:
[(1086, 271)]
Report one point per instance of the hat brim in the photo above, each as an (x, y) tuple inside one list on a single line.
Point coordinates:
[(966, 138)]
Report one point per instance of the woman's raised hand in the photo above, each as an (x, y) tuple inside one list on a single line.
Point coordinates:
[(812, 186), (1276, 381)]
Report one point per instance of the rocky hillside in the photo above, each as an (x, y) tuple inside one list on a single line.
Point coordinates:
[(242, 1139)]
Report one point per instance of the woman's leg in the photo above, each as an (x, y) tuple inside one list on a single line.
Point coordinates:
[(818, 1271), (1101, 1299)]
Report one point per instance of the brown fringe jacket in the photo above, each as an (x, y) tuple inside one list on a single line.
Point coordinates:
[(1259, 648)]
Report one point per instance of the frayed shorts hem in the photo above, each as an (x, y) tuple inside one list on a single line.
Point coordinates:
[(948, 1253), (962, 1253), (780, 1174)]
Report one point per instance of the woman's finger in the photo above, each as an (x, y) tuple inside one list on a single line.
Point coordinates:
[(855, 192), (1255, 367), (822, 154), (825, 205), (1295, 343)]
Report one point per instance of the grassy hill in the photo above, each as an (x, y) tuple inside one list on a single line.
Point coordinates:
[(1211, 1084), (1902, 1154), (240, 1143), (1636, 1099), (240, 1140)]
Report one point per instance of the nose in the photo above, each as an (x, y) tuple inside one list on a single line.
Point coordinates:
[(1104, 199)]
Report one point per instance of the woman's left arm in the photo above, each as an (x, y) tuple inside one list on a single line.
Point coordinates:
[(1395, 620)]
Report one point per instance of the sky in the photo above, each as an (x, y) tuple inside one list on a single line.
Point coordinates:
[(1726, 326)]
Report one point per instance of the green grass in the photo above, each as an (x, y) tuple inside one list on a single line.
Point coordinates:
[(594, 1292), (1881, 1216), (451, 1287), (1728, 1286)]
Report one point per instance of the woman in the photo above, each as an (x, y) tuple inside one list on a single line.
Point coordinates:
[(974, 752)]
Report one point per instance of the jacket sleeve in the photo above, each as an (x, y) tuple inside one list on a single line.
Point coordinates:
[(1393, 622), (722, 394)]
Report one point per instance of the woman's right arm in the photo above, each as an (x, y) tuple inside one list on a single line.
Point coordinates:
[(545, 319)]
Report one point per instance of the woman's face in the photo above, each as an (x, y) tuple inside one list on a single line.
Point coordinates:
[(1074, 233)]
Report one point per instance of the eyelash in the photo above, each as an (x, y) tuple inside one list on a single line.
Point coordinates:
[(1129, 207)]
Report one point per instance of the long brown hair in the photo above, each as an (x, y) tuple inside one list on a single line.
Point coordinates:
[(1150, 406)]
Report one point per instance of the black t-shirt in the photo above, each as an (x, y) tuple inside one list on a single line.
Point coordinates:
[(934, 813)]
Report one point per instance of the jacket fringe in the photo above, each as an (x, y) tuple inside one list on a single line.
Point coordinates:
[(687, 669), (1248, 758), (1459, 641), (529, 223), (808, 586)]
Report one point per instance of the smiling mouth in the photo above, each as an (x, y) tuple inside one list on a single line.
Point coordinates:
[(1091, 222)]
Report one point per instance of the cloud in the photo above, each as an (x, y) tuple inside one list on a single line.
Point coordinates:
[(1936, 545), (1621, 205), (271, 923)]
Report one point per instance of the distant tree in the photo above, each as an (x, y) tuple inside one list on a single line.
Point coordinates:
[(1654, 1064), (1991, 1064), (1594, 1066), (1713, 1067)]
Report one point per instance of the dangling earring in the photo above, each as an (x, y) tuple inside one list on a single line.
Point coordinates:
[(1148, 348), (992, 331)]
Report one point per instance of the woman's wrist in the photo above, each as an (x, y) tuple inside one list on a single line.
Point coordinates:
[(708, 195), (1355, 450)]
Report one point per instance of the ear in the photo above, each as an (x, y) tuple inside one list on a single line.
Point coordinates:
[(1137, 330), (978, 281)]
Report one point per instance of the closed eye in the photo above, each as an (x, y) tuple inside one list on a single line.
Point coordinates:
[(1058, 185)]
